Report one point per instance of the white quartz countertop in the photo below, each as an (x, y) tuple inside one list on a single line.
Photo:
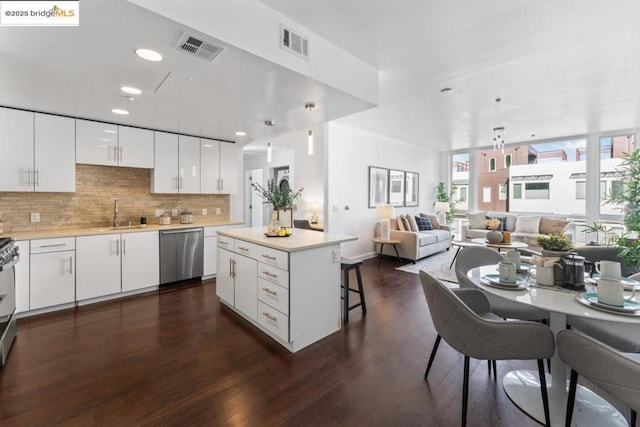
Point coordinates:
[(72, 232), (299, 240)]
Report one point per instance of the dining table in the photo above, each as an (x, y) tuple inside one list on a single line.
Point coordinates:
[(522, 386)]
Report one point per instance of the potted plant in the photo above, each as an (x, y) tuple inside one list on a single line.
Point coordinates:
[(554, 245), (443, 196), (494, 236), (628, 200), (282, 201)]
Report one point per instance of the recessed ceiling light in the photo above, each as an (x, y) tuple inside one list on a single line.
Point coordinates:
[(445, 90), (533, 135), (240, 133), (498, 99), (131, 90), (149, 55), (120, 111)]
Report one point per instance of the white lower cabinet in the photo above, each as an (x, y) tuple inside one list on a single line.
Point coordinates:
[(237, 281), (224, 276), (210, 251), (22, 277), (52, 278), (112, 263)]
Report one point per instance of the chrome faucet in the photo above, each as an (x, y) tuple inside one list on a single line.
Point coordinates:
[(115, 214)]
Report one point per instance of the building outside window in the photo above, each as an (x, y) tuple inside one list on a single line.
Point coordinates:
[(486, 194), (507, 160), (460, 179), (536, 190), (492, 164), (517, 191)]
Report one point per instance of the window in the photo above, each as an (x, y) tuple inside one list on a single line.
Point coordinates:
[(463, 194), (616, 188), (502, 191), (581, 190), (507, 160), (486, 194), (536, 190), (492, 164), (517, 191), (603, 190), (612, 148), (460, 179)]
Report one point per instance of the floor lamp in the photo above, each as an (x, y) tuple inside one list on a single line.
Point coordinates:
[(384, 213)]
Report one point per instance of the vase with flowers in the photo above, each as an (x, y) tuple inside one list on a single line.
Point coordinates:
[(494, 236), (282, 200)]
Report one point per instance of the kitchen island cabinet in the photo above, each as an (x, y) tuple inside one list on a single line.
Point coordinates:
[(295, 287)]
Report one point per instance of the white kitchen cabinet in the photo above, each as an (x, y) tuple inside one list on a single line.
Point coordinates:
[(112, 145), (140, 260), (237, 282), (52, 268), (98, 270), (219, 167), (111, 263), (22, 277), (210, 252), (177, 164), (135, 147), (96, 143), (55, 154), (38, 152), (16, 143), (228, 168)]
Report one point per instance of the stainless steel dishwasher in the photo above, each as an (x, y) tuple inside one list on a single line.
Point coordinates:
[(181, 254)]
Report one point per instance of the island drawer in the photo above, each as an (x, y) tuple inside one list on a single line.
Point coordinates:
[(274, 295), (245, 248), (53, 245), (273, 274), (274, 321), (274, 257), (225, 242)]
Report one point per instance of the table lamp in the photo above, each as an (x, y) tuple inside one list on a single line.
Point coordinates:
[(442, 208), (384, 213)]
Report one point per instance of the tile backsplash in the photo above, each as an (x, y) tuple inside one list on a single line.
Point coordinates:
[(97, 187)]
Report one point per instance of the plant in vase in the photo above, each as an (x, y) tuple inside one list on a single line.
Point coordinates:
[(447, 197), (281, 200), (554, 245), (494, 236)]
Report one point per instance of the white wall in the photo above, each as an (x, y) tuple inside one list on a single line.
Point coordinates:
[(350, 152)]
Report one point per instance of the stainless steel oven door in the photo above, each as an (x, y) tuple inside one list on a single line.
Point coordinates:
[(8, 289)]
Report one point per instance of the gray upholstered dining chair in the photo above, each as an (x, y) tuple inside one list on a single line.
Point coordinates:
[(472, 257), (484, 339), (604, 366)]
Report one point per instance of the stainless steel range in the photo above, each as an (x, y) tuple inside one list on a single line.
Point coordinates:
[(9, 257)]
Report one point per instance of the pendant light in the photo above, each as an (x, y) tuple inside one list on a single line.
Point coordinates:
[(310, 106), (498, 138), (270, 124)]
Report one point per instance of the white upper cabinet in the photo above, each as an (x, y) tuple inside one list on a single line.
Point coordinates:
[(16, 142), (210, 161), (112, 145), (96, 143), (228, 168), (189, 164), (38, 152), (55, 154), (135, 147), (219, 167), (177, 164)]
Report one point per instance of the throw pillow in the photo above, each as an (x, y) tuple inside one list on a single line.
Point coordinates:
[(552, 225), (527, 224), (405, 222), (503, 222), (400, 223), (412, 223), (434, 220), (423, 223), (476, 220)]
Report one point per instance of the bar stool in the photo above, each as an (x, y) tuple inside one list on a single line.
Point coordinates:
[(346, 265)]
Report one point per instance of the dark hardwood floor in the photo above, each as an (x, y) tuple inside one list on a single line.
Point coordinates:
[(178, 357)]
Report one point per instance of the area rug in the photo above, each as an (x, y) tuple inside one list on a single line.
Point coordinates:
[(437, 265)]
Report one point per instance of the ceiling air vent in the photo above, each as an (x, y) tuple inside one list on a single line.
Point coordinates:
[(294, 42), (197, 47)]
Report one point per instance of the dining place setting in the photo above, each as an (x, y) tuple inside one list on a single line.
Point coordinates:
[(562, 292)]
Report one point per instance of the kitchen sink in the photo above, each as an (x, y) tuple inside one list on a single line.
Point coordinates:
[(120, 228)]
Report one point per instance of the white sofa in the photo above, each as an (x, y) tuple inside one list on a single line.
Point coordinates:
[(415, 245), (524, 228)]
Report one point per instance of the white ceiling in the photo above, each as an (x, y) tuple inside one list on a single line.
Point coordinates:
[(561, 68)]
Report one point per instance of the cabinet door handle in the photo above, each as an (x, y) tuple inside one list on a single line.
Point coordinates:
[(124, 246), (52, 246), (270, 291), (270, 317), (234, 268), (70, 265), (221, 184), (29, 177), (36, 177), (243, 248), (272, 258), (115, 153), (117, 247), (222, 242), (266, 273), (120, 154), (230, 267)]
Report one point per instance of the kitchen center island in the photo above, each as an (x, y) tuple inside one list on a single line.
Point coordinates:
[(288, 287)]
